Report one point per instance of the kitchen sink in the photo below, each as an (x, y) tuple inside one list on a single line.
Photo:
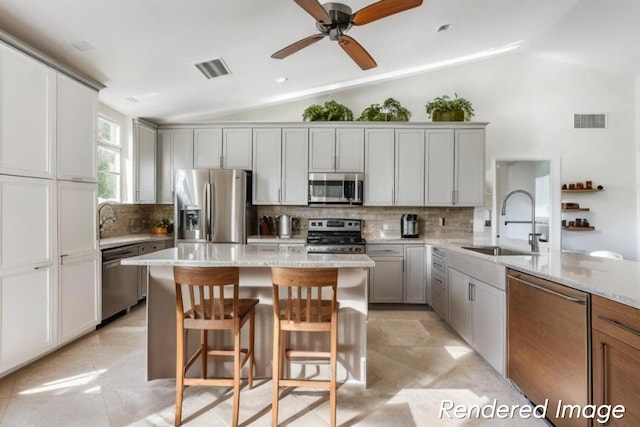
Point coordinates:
[(496, 250)]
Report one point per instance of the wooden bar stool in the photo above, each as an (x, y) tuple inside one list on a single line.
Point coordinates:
[(201, 304), (304, 310)]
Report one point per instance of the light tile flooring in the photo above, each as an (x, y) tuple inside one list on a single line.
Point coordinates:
[(414, 362)]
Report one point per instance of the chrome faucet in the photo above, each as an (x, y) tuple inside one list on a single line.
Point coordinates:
[(533, 238), (111, 219)]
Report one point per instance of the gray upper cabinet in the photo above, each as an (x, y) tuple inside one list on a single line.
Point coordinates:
[(409, 173), (207, 148), (379, 166), (295, 156), (175, 151), (236, 148), (336, 150), (439, 184), (144, 148)]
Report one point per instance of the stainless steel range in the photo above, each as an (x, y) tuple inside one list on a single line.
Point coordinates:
[(335, 236)]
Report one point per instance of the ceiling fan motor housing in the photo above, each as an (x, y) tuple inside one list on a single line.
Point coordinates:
[(340, 15)]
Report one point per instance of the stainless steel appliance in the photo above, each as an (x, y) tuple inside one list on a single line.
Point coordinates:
[(119, 282), (284, 229), (335, 236), (409, 225), (213, 206), (336, 188)]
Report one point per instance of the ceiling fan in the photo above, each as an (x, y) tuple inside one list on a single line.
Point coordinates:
[(335, 19)]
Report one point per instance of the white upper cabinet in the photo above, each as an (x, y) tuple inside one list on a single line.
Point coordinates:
[(236, 148), (409, 170), (295, 155), (27, 227), (455, 167), (379, 167), (27, 115), (76, 130), (470, 167), (267, 146), (207, 148), (349, 150), (439, 182), (144, 147), (175, 151), (336, 150)]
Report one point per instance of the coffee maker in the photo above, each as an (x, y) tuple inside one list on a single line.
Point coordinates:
[(409, 225)]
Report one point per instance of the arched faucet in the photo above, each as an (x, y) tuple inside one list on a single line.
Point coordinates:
[(107, 219), (533, 238)]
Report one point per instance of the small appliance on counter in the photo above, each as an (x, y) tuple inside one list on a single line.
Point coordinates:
[(409, 225), (284, 226)]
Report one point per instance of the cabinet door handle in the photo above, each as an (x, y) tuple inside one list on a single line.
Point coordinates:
[(221, 161), (437, 264), (279, 195), (543, 289), (337, 162), (619, 325)]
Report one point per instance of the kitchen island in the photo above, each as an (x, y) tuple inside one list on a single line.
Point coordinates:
[(255, 262)]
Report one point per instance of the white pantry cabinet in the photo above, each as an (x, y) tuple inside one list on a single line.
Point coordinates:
[(175, 151), (455, 169), (379, 153), (144, 153), (27, 115), (76, 131), (336, 150), (78, 283), (280, 166), (27, 271)]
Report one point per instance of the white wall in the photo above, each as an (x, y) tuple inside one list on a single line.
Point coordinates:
[(529, 102)]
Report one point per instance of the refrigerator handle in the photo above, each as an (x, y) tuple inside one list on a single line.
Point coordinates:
[(207, 211)]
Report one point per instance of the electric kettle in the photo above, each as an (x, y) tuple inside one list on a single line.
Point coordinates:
[(284, 226)]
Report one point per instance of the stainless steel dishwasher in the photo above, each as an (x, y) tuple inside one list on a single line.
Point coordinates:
[(119, 282)]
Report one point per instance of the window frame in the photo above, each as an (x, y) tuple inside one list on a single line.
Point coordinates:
[(111, 146)]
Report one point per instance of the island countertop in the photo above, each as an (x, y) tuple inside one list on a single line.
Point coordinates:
[(236, 255)]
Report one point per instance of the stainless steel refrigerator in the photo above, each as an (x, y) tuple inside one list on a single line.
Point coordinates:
[(213, 206)]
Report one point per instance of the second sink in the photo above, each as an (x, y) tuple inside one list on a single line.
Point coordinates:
[(496, 250)]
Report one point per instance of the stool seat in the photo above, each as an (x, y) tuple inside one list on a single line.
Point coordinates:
[(197, 316)]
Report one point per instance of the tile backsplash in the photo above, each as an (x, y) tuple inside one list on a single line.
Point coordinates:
[(384, 222), (133, 219)]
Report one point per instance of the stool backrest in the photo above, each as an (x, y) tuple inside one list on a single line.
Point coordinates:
[(203, 304), (303, 302)]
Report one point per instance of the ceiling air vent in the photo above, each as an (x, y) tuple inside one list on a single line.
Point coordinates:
[(213, 68), (590, 121)]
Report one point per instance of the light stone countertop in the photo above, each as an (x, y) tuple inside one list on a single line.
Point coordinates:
[(129, 239), (277, 240), (617, 280), (233, 255)]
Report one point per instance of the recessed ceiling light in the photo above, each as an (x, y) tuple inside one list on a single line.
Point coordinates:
[(82, 46), (132, 100), (443, 27), (281, 79)]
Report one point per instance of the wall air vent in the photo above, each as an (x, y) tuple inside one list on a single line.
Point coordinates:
[(213, 68), (590, 121)]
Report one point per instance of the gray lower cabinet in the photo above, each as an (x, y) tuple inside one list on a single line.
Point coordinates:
[(147, 248), (399, 275)]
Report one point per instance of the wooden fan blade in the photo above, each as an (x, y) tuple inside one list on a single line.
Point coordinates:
[(300, 44), (382, 9), (315, 9), (357, 53)]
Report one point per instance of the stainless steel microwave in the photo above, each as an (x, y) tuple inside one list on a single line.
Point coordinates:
[(336, 188)]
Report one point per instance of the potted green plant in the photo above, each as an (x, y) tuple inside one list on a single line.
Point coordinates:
[(161, 226), (390, 111), (330, 111), (446, 109)]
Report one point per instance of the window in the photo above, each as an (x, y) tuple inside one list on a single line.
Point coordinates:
[(109, 165)]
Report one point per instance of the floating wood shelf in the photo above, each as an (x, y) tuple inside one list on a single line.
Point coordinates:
[(583, 190), (579, 228), (576, 210)]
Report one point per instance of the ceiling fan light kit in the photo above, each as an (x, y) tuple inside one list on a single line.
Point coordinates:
[(335, 19)]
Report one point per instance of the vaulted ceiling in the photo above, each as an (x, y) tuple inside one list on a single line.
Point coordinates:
[(146, 49)]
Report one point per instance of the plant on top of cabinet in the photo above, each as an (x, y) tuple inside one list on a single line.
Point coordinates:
[(390, 111), (331, 111), (445, 109)]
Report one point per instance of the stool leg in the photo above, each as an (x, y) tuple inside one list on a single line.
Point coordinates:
[(332, 368), (276, 373), (179, 373), (236, 375), (203, 355), (252, 321)]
